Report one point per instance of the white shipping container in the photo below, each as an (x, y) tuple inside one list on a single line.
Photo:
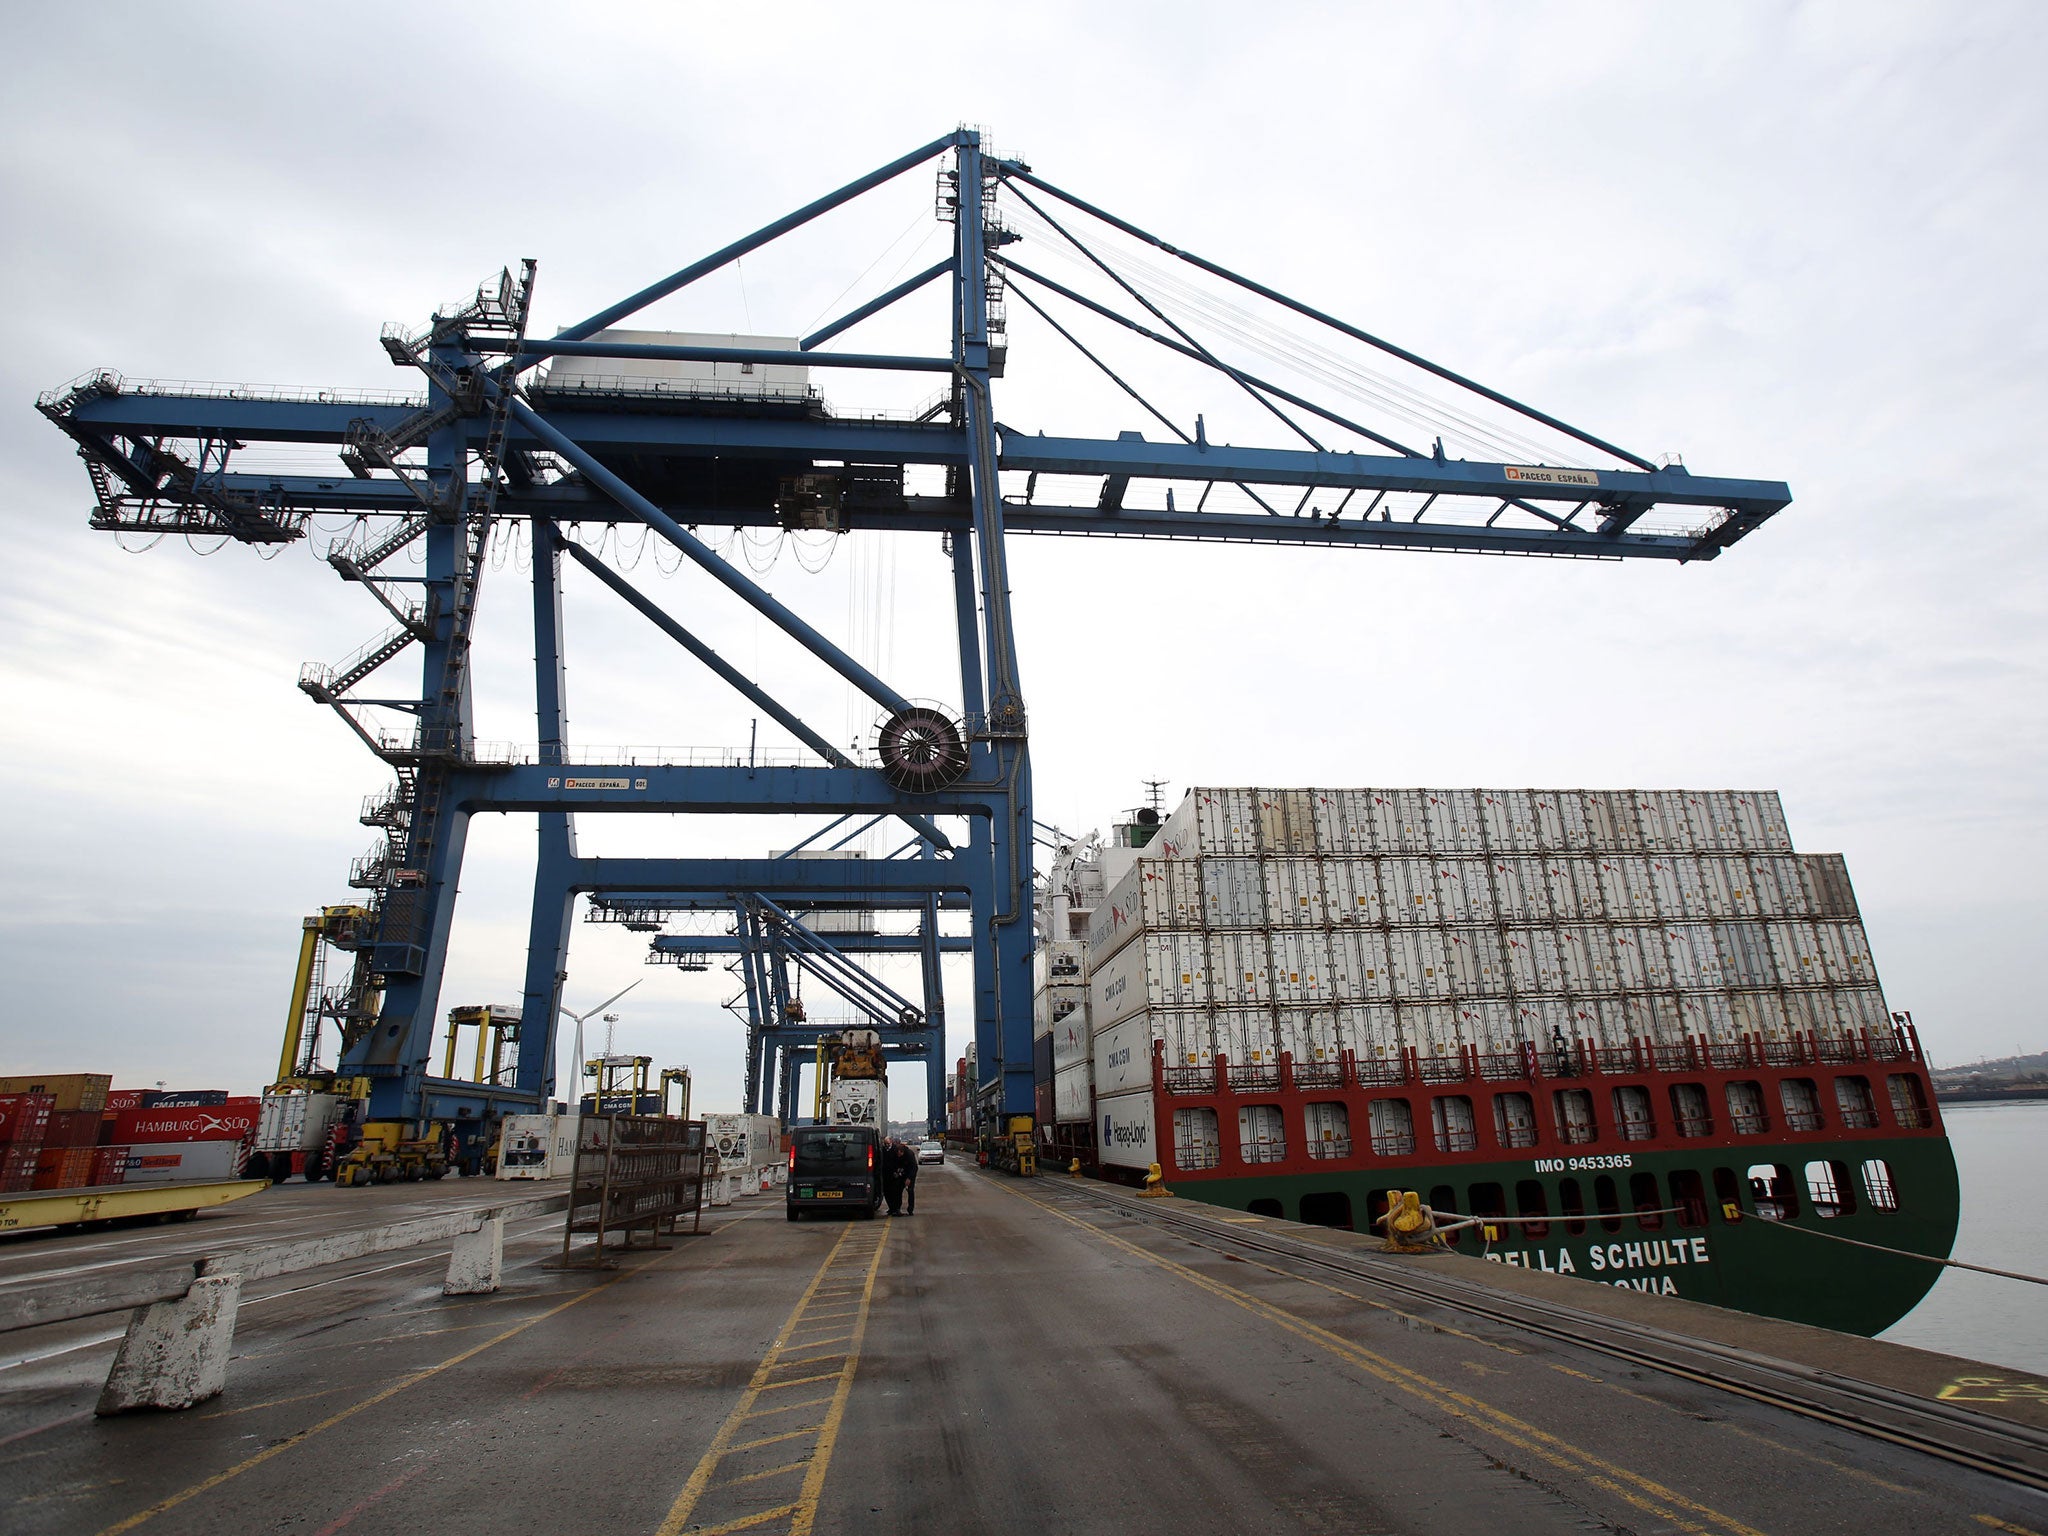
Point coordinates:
[(1286, 821), (537, 1146), (1411, 823), (1490, 1026), (1351, 891), (1123, 1055), (1233, 893), (1667, 1021), (1585, 958), (1154, 970), (1707, 1015), (1588, 895), (1454, 821), (1294, 893), (1127, 1137), (1862, 1008), (295, 1122), (1558, 889), (1188, 1034), (1239, 969), (743, 1141), (1508, 820), (1370, 1031), (1246, 1036), (1758, 1013), (1070, 1038), (1845, 953), (1544, 1020), (1550, 818), (182, 1162), (1309, 1035), (1157, 894), (1631, 972), (1596, 811), (858, 1101), (1431, 1029), (1745, 955), (1417, 960), (1465, 891), (1411, 890), (1513, 899), (1473, 962), (1061, 960), (1359, 967), (1073, 1095), (1301, 966), (1532, 959), (1796, 949), (1339, 833)]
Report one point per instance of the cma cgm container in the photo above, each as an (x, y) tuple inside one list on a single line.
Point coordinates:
[(1599, 1011)]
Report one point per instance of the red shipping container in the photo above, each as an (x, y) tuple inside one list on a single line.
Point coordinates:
[(205, 1122), (64, 1167), (17, 1168), (73, 1128), (108, 1164), (24, 1117), (130, 1098)]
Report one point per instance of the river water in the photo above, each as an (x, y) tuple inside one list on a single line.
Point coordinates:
[(2002, 1157)]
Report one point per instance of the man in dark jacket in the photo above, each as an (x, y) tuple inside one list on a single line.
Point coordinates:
[(899, 1169)]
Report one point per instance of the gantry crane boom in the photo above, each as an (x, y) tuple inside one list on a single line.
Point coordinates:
[(491, 439)]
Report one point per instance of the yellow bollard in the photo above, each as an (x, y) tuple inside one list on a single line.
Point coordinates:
[(1155, 1185), (1074, 1167), (1411, 1225)]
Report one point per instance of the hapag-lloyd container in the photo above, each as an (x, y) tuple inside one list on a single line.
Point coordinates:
[(1125, 1134)]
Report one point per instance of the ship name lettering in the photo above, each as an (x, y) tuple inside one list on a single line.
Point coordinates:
[(1524, 1258), (1660, 1254)]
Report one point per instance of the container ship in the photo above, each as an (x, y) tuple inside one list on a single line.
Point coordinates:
[(1636, 1030)]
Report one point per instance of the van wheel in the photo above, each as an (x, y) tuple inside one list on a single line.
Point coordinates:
[(794, 1213)]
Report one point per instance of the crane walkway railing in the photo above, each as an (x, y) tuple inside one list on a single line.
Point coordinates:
[(175, 1353)]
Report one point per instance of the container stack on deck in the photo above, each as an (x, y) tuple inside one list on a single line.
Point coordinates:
[(75, 1131), (1411, 926)]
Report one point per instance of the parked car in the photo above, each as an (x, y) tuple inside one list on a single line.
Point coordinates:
[(834, 1168), (931, 1151)]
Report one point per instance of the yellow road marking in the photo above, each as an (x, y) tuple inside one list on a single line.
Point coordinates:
[(1642, 1492), (2003, 1525), (783, 1353), (206, 1485), (275, 1402)]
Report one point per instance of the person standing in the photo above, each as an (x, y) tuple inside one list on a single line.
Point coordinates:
[(909, 1178), (896, 1157)]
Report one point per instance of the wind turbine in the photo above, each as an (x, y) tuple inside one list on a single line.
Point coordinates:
[(586, 1013)]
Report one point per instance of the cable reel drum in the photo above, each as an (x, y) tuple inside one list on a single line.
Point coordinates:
[(922, 750)]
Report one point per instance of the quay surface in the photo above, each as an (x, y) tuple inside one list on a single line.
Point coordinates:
[(1020, 1354)]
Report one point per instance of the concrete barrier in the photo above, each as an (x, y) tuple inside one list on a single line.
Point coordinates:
[(175, 1353)]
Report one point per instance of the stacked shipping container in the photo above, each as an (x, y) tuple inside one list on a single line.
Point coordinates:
[(1493, 921)]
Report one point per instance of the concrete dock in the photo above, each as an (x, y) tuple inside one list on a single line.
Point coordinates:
[(1018, 1355)]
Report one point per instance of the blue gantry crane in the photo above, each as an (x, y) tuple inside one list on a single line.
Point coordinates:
[(492, 440)]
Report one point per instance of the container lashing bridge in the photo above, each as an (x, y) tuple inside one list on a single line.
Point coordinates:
[(491, 441)]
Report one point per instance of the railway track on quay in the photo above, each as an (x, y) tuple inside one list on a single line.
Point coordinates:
[(1994, 1447)]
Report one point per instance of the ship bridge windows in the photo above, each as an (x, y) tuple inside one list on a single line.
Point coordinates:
[(1514, 1119), (1827, 1188), (1633, 1114), (1329, 1137), (1452, 1123), (1329, 1208), (1801, 1103), (1261, 1134), (1609, 1203), (1746, 1113), (1393, 1128), (1533, 1208), (1853, 1101), (1909, 1102), (1642, 1195), (1195, 1142), (1689, 1194), (1878, 1189), (1571, 1202), (1771, 1192), (1691, 1113), (1574, 1110)]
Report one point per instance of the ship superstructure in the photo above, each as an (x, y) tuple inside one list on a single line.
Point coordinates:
[(1638, 1027)]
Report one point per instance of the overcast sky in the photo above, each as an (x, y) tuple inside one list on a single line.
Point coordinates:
[(1798, 242)]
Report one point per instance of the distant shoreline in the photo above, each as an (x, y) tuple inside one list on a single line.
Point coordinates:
[(2030, 1094)]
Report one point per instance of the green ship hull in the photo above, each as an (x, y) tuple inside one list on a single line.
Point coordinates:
[(1750, 1263)]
